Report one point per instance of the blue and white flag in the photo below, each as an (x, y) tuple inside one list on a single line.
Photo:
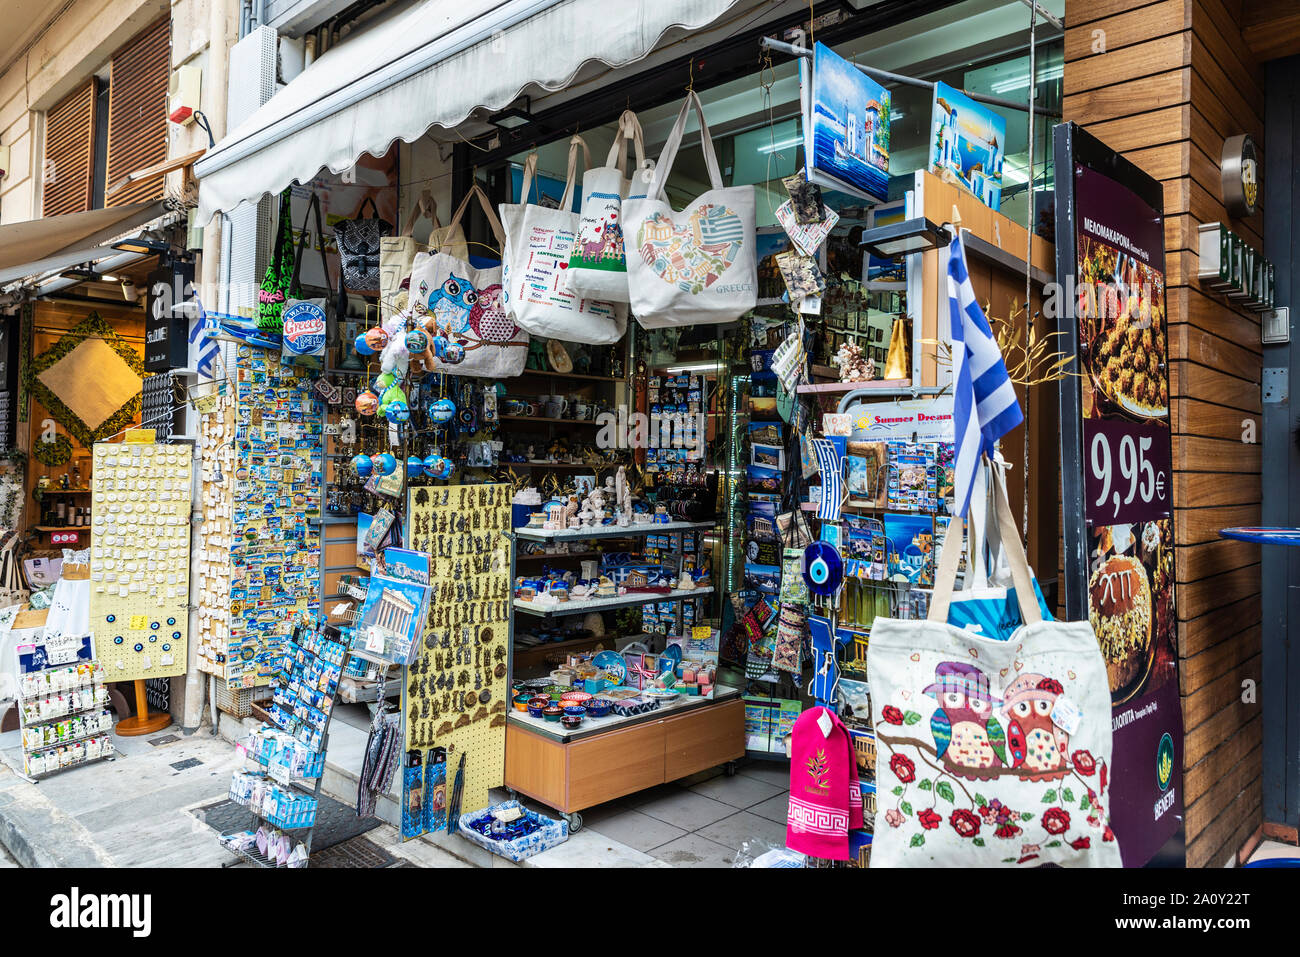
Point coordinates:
[(832, 468), (984, 401)]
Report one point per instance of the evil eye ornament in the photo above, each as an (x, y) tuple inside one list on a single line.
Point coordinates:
[(823, 569), (367, 403), (384, 463), (362, 465), (414, 467), (398, 411), (442, 411)]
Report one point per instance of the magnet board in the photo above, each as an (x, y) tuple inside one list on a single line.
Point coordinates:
[(275, 548), (216, 495), (458, 681), (140, 558)]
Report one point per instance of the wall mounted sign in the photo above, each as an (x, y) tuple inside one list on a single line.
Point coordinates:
[(1239, 176), (1116, 473), (166, 327), (1231, 267)]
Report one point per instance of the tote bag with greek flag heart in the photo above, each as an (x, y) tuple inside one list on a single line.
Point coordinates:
[(535, 268), (696, 266), (457, 300), (598, 263), (990, 753)]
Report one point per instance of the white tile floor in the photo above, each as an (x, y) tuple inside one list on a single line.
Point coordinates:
[(706, 820)]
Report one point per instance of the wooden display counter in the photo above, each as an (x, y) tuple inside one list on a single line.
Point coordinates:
[(611, 757)]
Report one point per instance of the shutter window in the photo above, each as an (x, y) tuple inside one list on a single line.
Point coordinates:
[(137, 113), (68, 170)]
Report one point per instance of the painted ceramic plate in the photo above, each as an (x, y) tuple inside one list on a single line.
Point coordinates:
[(611, 662)]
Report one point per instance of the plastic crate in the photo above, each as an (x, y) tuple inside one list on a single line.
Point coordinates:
[(238, 702)]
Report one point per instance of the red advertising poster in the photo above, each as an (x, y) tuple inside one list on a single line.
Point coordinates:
[(1116, 446)]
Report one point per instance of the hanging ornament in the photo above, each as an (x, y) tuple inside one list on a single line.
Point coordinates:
[(384, 463), (442, 411), (362, 465), (361, 346), (376, 339), (414, 467), (397, 411), (417, 340), (438, 466), (367, 403)]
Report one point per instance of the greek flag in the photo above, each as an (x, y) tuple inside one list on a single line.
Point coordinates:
[(984, 401), (828, 458)]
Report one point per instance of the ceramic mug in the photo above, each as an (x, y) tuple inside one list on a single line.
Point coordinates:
[(555, 406)]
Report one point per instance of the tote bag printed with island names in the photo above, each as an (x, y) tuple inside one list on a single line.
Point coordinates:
[(697, 266), (990, 753), (467, 306), (598, 263), (535, 268)]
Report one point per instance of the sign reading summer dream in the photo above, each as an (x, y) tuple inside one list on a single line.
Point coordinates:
[(1116, 459), (846, 126)]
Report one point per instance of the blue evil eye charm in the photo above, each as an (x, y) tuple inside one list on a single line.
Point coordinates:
[(139, 646), (153, 639), (166, 647), (153, 626), (171, 621), (117, 640), (110, 618), (176, 635)]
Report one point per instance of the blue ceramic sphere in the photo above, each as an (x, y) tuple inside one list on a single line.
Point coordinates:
[(362, 347), (442, 410), (384, 463), (414, 466), (363, 465), (398, 411), (417, 340)]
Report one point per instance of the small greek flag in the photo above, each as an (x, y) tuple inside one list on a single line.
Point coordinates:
[(830, 462), (984, 401)]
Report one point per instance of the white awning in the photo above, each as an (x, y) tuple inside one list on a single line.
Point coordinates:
[(428, 65), (57, 242)]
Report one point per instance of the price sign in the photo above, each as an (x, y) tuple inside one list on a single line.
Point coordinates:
[(1127, 472)]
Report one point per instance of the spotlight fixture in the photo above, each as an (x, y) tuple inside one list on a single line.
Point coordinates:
[(144, 245), (900, 239), (514, 116)]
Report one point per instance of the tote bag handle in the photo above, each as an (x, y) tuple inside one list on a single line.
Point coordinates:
[(571, 175), (313, 206), (495, 223), (629, 130), (945, 575), (674, 142), (426, 205)]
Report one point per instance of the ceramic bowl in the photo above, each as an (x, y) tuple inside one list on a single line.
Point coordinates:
[(521, 701), (598, 707), (572, 721), (575, 697), (552, 712), (575, 710), (538, 705)]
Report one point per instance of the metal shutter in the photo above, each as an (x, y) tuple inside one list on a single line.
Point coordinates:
[(68, 169), (137, 112)]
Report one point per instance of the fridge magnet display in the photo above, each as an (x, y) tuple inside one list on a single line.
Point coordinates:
[(910, 539)]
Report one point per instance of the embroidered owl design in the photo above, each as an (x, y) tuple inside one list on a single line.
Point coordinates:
[(451, 305), (1037, 745), (967, 737), (488, 318)]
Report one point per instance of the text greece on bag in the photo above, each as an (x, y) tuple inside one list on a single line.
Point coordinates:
[(697, 266), (466, 305), (990, 753), (598, 263), (305, 321), (536, 265), (397, 253)]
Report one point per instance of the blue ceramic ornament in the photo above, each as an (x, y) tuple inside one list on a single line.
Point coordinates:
[(398, 411), (442, 410), (384, 462), (362, 465), (361, 346), (417, 340), (414, 467), (438, 466)]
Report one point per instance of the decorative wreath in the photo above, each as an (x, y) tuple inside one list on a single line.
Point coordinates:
[(53, 453)]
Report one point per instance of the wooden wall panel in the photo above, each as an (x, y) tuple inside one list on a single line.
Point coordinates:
[(1170, 114), (137, 113)]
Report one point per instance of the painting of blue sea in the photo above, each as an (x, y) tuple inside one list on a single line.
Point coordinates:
[(846, 130), (967, 144)]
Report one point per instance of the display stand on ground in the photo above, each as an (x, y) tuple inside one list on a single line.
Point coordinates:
[(142, 722), (62, 705)]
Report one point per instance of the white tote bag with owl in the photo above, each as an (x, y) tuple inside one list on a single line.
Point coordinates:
[(990, 753), (535, 268), (696, 267), (467, 305)]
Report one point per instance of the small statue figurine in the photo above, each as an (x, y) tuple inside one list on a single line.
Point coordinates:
[(854, 366), (622, 492)]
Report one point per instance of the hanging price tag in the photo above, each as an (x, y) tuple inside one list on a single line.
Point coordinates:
[(1127, 471)]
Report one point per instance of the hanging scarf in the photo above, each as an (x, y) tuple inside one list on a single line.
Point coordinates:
[(825, 795)]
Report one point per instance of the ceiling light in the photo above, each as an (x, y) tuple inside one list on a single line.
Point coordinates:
[(513, 116)]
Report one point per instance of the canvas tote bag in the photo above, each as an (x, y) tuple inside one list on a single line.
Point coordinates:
[(536, 265), (598, 264), (466, 304), (696, 267), (990, 753), (397, 253)]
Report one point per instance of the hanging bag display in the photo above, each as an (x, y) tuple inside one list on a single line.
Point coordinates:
[(279, 271), (304, 320), (359, 242), (990, 752), (397, 253), (465, 304), (696, 267), (536, 265), (598, 263)]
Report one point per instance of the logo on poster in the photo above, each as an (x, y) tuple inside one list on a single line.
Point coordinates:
[(1165, 761)]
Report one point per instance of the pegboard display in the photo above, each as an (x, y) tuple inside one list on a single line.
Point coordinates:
[(216, 494), (274, 546), (458, 681), (140, 559)]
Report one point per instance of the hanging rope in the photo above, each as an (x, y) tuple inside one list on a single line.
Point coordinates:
[(1029, 241)]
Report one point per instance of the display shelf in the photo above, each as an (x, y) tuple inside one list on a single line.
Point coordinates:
[(592, 423), (536, 555), (611, 722), (572, 375), (608, 531), (62, 528), (76, 764), (817, 388), (609, 604), (67, 741), (567, 465), (63, 491), (36, 723), (251, 855)]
